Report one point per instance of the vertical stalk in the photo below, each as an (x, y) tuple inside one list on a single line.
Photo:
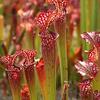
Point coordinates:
[(15, 85), (41, 77), (98, 15), (50, 83), (1, 7), (83, 16), (37, 43), (60, 28), (1, 27), (49, 56), (30, 77), (94, 15)]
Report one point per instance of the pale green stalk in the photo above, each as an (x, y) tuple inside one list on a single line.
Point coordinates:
[(60, 28)]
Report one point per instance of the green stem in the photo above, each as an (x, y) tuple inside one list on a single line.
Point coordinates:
[(98, 15), (63, 59), (83, 16), (37, 43), (50, 83), (60, 27), (94, 15)]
